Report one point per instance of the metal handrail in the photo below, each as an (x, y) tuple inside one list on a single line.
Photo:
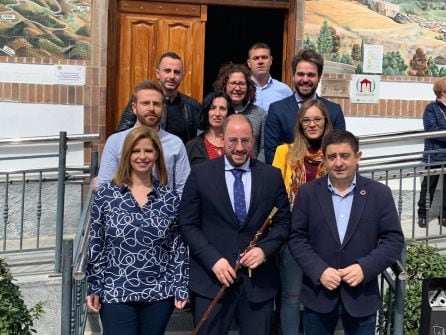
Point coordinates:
[(47, 170), (49, 139), (400, 136), (81, 239)]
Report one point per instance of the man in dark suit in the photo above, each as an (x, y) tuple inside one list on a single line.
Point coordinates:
[(307, 68), (219, 216), (345, 232)]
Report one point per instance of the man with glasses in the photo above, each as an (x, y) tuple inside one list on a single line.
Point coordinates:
[(268, 90), (225, 202), (182, 117), (147, 106), (307, 68)]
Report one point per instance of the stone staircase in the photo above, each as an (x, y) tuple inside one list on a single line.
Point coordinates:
[(34, 274)]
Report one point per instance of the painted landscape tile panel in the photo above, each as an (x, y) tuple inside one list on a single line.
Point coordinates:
[(412, 32), (45, 28)]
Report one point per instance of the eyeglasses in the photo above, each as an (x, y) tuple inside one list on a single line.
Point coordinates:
[(233, 142), (317, 121), (233, 84)]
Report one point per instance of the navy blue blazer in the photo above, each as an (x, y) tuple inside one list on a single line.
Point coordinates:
[(281, 119), (210, 228), (373, 239), (434, 119)]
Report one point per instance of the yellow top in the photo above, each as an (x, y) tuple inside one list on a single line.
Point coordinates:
[(280, 161)]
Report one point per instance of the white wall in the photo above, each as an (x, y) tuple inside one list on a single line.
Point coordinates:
[(30, 120), (368, 126), (406, 91)]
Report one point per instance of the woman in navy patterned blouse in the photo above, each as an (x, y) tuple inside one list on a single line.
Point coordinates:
[(138, 268)]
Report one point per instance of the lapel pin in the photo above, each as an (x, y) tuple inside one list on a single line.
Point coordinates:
[(363, 192)]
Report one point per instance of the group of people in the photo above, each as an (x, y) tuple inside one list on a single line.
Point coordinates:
[(183, 188)]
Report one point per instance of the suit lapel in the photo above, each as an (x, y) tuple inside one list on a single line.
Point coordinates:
[(293, 106), (360, 196), (326, 204)]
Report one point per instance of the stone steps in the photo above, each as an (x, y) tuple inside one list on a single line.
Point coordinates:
[(34, 274)]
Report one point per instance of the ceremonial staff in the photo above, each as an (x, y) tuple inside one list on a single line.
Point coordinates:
[(251, 245)]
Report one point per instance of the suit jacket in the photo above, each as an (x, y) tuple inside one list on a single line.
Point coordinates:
[(281, 119), (209, 227), (373, 239)]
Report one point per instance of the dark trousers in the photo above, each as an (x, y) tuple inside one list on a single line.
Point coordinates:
[(325, 323), (136, 318), (433, 181), (252, 318)]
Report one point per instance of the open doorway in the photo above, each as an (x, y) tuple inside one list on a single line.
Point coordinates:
[(230, 31)]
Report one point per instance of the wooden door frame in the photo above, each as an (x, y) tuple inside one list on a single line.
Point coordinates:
[(289, 42)]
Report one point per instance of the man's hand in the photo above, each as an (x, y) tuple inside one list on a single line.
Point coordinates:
[(330, 278), (352, 275), (253, 258), (224, 272)]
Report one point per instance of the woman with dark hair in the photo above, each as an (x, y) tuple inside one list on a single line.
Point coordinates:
[(217, 106), (235, 80), (434, 119), (299, 162), (138, 267)]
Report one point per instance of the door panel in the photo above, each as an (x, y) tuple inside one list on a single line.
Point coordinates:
[(187, 39), (138, 39), (145, 37)]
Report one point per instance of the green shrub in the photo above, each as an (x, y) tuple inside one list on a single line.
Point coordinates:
[(422, 262), (15, 317)]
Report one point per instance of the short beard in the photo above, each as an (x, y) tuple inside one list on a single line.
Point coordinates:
[(305, 95), (234, 164), (142, 121)]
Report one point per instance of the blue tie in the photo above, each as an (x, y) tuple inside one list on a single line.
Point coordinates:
[(239, 196)]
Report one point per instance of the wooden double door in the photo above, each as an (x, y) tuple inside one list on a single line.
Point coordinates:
[(140, 31)]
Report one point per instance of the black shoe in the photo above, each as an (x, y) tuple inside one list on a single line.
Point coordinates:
[(422, 221)]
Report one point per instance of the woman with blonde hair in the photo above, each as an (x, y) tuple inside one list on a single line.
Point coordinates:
[(138, 268), (299, 162)]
